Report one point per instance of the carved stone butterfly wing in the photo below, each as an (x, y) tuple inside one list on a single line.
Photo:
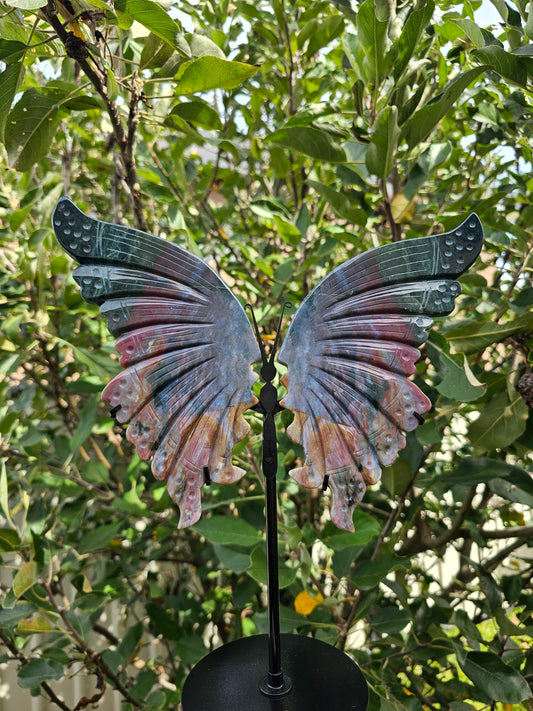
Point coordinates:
[(187, 347), (185, 343), (350, 349)]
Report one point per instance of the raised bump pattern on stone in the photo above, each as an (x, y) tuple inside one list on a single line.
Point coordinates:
[(178, 325), (349, 348), (187, 345)]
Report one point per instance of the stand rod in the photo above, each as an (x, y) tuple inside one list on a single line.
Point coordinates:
[(274, 685), (275, 674)]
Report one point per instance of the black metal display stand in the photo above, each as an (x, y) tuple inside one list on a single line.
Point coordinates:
[(323, 678), (274, 672)]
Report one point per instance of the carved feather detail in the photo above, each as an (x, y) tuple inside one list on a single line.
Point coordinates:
[(349, 349), (186, 345)]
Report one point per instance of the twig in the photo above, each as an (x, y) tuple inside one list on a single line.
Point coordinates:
[(511, 532), (93, 656), (290, 72), (393, 517), (125, 140), (423, 542), (396, 231), (97, 627), (84, 484), (466, 574), (503, 308), (100, 455), (343, 635), (416, 691)]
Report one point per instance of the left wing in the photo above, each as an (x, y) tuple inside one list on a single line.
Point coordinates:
[(186, 345), (350, 349)]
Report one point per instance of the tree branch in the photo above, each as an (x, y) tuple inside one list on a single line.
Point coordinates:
[(424, 541), (343, 634), (125, 140), (396, 231), (94, 657), (467, 573)]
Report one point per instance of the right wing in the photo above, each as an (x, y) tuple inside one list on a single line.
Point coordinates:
[(350, 349)]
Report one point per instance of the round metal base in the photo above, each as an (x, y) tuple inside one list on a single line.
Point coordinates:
[(229, 679)]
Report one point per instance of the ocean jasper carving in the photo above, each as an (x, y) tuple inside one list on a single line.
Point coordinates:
[(187, 348)]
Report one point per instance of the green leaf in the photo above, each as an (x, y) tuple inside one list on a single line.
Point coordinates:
[(258, 569), (457, 381), (34, 672), (431, 158), (477, 470), (475, 336), (528, 29), (370, 573), (158, 54), (324, 31), (471, 30), (201, 46), (208, 72), (227, 531), (381, 151), (198, 113), (373, 37), (34, 625), (466, 625), (143, 685), (26, 578), (366, 527), (10, 80), (11, 51), (289, 620), (510, 66), (397, 477), (99, 538), (83, 103), (30, 128), (96, 362), (4, 493), (191, 649), (9, 540), (500, 423), (162, 621), (9, 618), (85, 425), (422, 122), (112, 86), (497, 680), (345, 6), (390, 620), (281, 165), (312, 141), (156, 19), (309, 113), (234, 560), (524, 299), (408, 42), (287, 231), (340, 202), (511, 491), (291, 534), (129, 643), (26, 4)]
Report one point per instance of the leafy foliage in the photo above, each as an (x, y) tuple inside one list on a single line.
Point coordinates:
[(277, 140)]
